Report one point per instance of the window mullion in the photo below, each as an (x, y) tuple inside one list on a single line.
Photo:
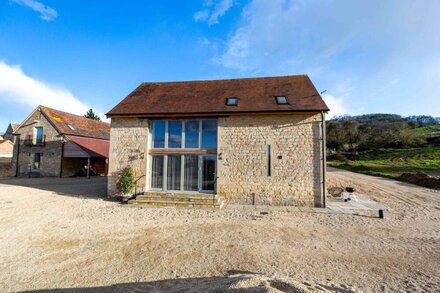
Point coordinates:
[(165, 172), (182, 170)]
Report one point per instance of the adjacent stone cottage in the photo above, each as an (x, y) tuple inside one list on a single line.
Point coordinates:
[(50, 142), (249, 141)]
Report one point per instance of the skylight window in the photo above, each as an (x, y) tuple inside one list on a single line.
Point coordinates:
[(103, 132), (71, 127), (232, 101), (281, 100)]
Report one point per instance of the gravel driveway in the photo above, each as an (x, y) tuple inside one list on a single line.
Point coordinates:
[(62, 233)]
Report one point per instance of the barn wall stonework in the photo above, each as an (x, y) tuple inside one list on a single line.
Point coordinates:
[(295, 159), (242, 164), (128, 147)]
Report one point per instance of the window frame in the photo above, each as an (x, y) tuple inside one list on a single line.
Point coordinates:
[(235, 104), (167, 132), (71, 127), (35, 140), (35, 163), (199, 167), (165, 152), (183, 135), (282, 96)]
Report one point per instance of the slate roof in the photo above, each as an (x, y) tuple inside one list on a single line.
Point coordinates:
[(209, 97)]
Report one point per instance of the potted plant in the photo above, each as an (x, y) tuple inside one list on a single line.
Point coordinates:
[(126, 184)]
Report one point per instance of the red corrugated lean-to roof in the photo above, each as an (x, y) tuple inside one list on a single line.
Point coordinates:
[(93, 147)]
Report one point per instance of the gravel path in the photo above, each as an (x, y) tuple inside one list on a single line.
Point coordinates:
[(61, 233)]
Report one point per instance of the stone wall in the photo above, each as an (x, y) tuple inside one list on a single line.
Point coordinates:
[(295, 154), (242, 168), (51, 151), (7, 167), (128, 147)]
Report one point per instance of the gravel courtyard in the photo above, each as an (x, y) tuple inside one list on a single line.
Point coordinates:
[(63, 234)]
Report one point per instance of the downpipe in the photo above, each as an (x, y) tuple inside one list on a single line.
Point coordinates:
[(324, 159)]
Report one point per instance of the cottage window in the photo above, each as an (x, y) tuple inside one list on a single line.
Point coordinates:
[(37, 161), (38, 135)]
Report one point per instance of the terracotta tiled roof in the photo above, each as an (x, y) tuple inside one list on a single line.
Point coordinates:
[(94, 147), (209, 96), (81, 126)]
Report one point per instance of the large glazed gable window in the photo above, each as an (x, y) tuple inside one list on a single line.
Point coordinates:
[(184, 134), (183, 155)]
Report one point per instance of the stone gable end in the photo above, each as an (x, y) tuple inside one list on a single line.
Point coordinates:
[(242, 157)]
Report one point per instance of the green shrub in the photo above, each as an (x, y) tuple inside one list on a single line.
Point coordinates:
[(126, 182)]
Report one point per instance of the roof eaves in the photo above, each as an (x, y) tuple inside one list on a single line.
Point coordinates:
[(224, 113)]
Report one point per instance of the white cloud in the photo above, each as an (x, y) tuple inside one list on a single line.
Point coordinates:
[(336, 105), (17, 87), (212, 14), (46, 13), (374, 44), (201, 15)]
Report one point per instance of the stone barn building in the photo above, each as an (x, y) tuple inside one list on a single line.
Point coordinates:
[(244, 141), (50, 142)]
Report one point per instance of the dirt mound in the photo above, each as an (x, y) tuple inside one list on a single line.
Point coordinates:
[(421, 179), (252, 283)]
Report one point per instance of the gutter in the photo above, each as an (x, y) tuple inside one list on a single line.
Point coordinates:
[(324, 160), (210, 114)]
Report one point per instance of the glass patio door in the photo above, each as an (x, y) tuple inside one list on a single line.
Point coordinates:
[(174, 174), (191, 173), (194, 173), (207, 173)]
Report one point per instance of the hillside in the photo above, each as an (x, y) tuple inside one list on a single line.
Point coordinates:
[(386, 145), (391, 162)]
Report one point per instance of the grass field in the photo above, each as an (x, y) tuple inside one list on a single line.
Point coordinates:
[(393, 162), (428, 131)]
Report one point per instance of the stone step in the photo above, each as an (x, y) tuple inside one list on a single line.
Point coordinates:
[(181, 198), (179, 194), (175, 204)]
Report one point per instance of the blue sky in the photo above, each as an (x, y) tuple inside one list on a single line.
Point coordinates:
[(371, 56)]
